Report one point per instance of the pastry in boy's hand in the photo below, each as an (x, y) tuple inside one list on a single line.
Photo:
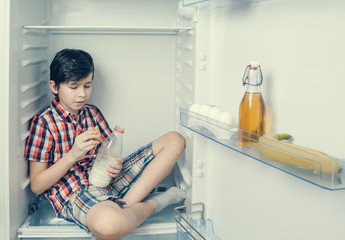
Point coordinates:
[(97, 131)]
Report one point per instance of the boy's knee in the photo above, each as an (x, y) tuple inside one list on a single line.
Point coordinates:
[(105, 221), (177, 139), (172, 141), (108, 229)]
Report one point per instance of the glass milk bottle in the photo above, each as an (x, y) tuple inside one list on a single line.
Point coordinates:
[(110, 149), (252, 108)]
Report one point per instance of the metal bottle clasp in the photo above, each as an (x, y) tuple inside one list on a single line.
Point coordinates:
[(245, 79)]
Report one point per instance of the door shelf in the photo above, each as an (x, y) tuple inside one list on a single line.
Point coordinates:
[(191, 223), (227, 136), (216, 3)]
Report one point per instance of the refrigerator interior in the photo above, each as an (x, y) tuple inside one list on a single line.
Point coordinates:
[(134, 50)]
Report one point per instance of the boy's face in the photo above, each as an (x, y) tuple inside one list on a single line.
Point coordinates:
[(74, 94)]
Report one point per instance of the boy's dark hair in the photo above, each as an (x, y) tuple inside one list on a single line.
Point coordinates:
[(71, 65)]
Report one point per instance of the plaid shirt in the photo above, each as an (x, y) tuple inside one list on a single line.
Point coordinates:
[(52, 135)]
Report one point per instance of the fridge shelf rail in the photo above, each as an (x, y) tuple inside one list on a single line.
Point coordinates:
[(42, 223), (191, 223), (106, 30), (216, 3), (227, 136)]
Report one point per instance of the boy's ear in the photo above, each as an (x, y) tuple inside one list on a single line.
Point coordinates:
[(53, 87)]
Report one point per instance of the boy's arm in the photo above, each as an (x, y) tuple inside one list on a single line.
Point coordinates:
[(43, 177)]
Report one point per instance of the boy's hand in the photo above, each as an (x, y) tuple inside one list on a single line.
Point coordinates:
[(115, 168), (83, 143)]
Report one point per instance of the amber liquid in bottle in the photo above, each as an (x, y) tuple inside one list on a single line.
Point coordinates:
[(251, 119)]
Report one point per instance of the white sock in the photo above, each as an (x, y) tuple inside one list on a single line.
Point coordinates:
[(171, 196)]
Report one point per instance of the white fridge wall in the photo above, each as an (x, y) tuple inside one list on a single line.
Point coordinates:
[(149, 13), (4, 72), (251, 200), (134, 78), (27, 65), (133, 84), (300, 47)]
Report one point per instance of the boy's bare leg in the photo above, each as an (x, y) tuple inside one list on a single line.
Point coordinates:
[(166, 149), (106, 220)]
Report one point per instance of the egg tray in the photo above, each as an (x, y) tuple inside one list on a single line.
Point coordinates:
[(199, 122)]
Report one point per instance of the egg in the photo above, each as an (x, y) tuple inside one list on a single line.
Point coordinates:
[(214, 113), (204, 109), (194, 108), (226, 117)]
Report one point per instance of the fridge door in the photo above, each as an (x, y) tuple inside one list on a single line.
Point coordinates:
[(299, 46)]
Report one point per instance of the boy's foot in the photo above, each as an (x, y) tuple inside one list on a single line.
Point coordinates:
[(172, 196)]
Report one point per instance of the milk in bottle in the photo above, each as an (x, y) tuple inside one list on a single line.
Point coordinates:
[(110, 149)]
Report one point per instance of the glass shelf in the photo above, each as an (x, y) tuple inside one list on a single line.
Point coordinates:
[(107, 30), (191, 223), (227, 135), (216, 3)]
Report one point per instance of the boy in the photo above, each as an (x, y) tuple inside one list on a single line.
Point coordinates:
[(61, 153)]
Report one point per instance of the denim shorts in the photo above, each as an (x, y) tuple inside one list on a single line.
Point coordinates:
[(88, 195)]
